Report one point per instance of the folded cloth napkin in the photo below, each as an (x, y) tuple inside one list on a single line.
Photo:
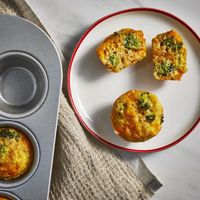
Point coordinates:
[(83, 168)]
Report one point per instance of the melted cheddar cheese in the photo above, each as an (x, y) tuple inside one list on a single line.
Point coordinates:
[(137, 116), (121, 49), (16, 153), (169, 56)]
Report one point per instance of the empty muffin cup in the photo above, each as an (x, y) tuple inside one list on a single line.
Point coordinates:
[(7, 196), (23, 84), (19, 154)]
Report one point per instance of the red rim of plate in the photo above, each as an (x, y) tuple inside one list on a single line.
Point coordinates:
[(69, 85)]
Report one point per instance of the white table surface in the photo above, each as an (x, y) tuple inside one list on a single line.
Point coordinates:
[(178, 168)]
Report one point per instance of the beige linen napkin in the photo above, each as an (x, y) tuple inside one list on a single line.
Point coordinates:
[(83, 168)]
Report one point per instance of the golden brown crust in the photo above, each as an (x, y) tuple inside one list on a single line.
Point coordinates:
[(121, 49), (137, 116), (169, 56), (4, 198), (16, 153)]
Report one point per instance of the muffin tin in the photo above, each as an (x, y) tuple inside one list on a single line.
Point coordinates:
[(23, 84), (8, 195), (30, 85)]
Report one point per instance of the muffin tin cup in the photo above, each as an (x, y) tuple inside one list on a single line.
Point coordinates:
[(30, 87), (24, 178), (8, 195), (23, 84)]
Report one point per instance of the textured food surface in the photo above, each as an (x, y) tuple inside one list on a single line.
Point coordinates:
[(16, 153), (121, 49), (4, 198), (137, 116), (169, 56)]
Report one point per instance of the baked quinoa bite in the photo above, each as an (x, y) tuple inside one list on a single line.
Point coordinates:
[(4, 198), (121, 49), (137, 116), (16, 153), (169, 56)]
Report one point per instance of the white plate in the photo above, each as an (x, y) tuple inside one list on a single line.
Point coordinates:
[(92, 89)]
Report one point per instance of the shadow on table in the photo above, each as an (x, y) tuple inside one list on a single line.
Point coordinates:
[(143, 74), (90, 67)]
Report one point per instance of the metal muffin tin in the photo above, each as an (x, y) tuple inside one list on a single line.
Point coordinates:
[(30, 85), (23, 84), (8, 195)]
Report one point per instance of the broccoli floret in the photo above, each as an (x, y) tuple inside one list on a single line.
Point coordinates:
[(144, 101), (114, 59), (132, 42), (6, 133), (165, 68), (120, 107), (150, 117), (162, 119), (171, 44), (2, 149)]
